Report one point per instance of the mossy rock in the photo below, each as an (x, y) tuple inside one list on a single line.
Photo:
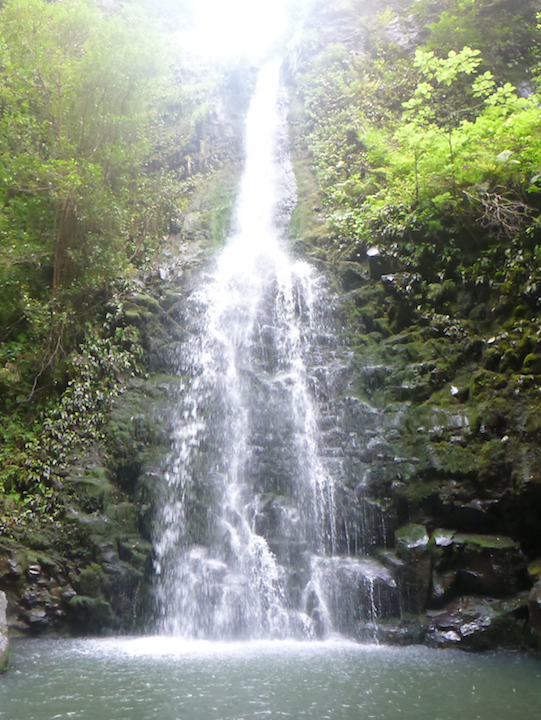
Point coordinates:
[(133, 316), (454, 460), (467, 564), (493, 416), (45, 561), (91, 493), (532, 364), (90, 525), (135, 551), (138, 427), (534, 570), (89, 581), (492, 359), (441, 538), (417, 490), (411, 536), (485, 542), (415, 577), (146, 301), (486, 383), (353, 275), (90, 615), (124, 517)]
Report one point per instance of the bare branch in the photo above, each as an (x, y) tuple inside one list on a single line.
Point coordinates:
[(498, 212)]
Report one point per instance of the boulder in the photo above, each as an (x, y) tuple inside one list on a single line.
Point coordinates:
[(472, 623), (491, 565), (470, 564), (4, 640)]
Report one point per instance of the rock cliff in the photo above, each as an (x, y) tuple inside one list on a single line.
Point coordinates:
[(446, 345)]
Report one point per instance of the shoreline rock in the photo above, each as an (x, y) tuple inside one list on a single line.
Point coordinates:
[(4, 639)]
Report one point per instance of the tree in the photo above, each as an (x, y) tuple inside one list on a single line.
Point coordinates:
[(78, 92)]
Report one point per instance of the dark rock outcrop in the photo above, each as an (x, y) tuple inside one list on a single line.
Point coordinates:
[(412, 549)]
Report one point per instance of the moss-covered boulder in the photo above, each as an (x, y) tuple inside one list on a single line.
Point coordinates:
[(490, 565)]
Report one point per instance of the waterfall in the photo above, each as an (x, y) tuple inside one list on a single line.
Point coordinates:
[(248, 519)]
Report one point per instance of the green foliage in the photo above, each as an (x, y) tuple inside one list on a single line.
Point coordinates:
[(410, 152), (446, 70), (105, 134), (34, 453), (507, 39), (78, 91)]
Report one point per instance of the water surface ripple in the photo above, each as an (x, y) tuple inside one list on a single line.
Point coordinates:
[(167, 679)]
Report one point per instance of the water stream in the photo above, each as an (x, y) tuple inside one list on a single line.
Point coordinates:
[(247, 536)]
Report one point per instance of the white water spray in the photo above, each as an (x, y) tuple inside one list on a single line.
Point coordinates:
[(249, 499)]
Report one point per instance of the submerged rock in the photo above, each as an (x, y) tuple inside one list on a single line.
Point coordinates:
[(4, 640)]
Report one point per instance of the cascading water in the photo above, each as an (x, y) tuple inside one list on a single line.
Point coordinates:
[(247, 529)]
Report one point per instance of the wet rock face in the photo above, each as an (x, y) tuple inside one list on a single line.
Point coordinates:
[(465, 500), (4, 640), (412, 549), (37, 586), (452, 358), (357, 593), (88, 573)]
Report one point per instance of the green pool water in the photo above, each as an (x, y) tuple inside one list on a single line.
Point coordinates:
[(169, 679)]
